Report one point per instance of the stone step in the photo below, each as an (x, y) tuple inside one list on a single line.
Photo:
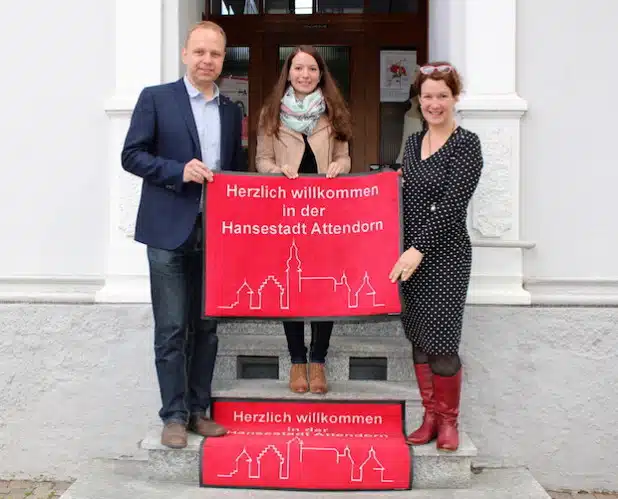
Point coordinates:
[(431, 468), (339, 390), (116, 481), (370, 326), (396, 352)]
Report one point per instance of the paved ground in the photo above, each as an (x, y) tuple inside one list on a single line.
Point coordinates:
[(581, 495), (20, 489), (23, 489)]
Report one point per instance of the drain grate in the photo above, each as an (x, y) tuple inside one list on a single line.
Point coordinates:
[(368, 368), (255, 367)]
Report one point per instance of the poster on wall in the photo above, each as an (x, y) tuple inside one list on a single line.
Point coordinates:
[(397, 68), (308, 247), (237, 89)]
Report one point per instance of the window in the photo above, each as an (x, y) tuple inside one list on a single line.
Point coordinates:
[(288, 6), (300, 7), (393, 6), (233, 7), (340, 6)]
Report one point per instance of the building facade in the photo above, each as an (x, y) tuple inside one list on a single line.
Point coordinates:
[(540, 337)]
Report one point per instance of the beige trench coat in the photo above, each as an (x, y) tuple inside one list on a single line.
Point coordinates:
[(272, 153)]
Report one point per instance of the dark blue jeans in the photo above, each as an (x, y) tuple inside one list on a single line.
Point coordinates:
[(185, 345), (320, 340)]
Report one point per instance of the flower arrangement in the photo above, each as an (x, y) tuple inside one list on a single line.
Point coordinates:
[(397, 71)]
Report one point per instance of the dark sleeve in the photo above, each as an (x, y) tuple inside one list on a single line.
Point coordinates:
[(238, 162), (137, 154), (460, 186)]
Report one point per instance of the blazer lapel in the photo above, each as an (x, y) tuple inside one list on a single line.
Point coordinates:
[(187, 113), (292, 133), (227, 122)]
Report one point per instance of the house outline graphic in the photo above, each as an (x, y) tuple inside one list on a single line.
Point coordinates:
[(293, 283), (357, 473)]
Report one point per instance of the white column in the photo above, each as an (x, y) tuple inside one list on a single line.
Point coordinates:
[(139, 27), (479, 37), (149, 35)]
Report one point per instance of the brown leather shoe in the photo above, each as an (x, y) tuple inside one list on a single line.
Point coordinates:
[(174, 435), (206, 427), (317, 378), (298, 378)]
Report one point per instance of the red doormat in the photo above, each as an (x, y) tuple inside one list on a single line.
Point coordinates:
[(307, 445)]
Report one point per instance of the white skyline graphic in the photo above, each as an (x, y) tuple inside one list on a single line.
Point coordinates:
[(294, 282), (253, 466)]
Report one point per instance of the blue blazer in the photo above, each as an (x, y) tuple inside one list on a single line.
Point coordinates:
[(162, 138)]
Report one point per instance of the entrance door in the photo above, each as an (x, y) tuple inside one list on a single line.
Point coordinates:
[(342, 53), (361, 41)]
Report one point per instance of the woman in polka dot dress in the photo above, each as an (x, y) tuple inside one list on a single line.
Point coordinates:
[(441, 169)]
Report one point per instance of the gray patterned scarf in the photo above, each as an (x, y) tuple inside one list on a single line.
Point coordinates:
[(302, 115)]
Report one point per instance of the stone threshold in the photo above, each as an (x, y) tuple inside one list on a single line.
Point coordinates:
[(103, 482)]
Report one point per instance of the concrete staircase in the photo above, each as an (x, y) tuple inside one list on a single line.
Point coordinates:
[(174, 473), (431, 470)]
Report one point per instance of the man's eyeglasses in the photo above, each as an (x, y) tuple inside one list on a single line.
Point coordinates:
[(442, 68)]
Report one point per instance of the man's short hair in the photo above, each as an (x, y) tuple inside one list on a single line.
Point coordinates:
[(206, 25)]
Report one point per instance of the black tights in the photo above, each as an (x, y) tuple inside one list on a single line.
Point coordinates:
[(442, 365)]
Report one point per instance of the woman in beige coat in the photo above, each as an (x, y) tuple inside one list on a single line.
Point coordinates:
[(305, 127)]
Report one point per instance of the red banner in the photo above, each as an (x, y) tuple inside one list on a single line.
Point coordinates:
[(306, 247), (338, 445)]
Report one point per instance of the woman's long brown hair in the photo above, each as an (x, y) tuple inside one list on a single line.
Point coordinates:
[(336, 108)]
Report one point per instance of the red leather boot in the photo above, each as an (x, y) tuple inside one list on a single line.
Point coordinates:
[(429, 428), (447, 392)]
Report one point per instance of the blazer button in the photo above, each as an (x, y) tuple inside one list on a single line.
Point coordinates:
[(433, 207)]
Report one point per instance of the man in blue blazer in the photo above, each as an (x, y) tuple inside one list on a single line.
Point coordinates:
[(180, 135)]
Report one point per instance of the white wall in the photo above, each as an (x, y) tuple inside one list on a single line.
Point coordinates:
[(55, 208), (195, 9), (178, 17), (446, 30), (567, 73), (78, 382), (57, 72)]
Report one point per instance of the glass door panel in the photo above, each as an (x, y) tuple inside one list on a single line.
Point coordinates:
[(398, 108), (234, 83)]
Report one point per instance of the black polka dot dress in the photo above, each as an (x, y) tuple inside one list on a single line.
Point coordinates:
[(436, 194)]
